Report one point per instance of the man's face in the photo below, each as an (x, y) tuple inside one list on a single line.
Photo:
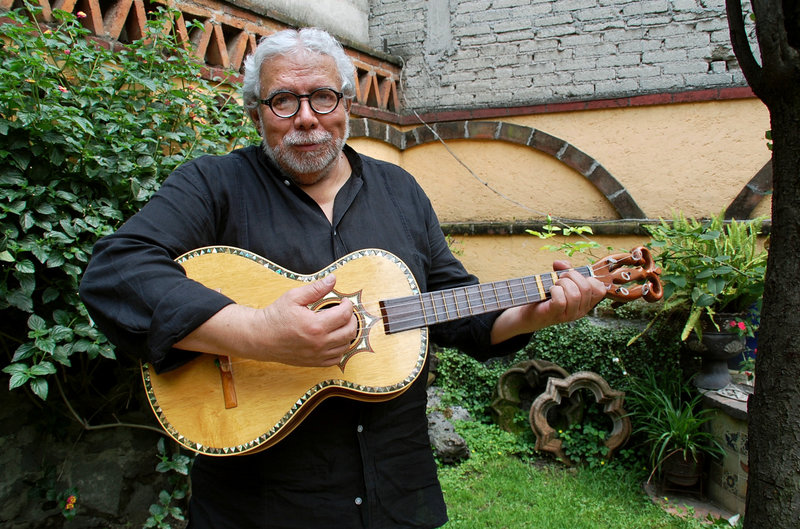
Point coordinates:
[(307, 145)]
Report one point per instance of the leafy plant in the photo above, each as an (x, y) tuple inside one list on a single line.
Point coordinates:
[(602, 347), (178, 466), (87, 134), (671, 418), (550, 230), (709, 267), (583, 443), (467, 382)]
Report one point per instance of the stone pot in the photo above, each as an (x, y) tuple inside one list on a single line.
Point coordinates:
[(715, 349)]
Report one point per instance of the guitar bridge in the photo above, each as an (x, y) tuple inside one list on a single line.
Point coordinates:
[(226, 377)]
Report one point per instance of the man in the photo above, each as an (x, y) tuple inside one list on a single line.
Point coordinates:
[(303, 200)]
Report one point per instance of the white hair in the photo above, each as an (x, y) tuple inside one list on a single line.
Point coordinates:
[(292, 41)]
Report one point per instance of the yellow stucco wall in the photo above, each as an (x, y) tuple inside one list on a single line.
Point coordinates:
[(693, 157)]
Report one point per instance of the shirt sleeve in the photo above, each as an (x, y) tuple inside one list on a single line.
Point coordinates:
[(135, 292)]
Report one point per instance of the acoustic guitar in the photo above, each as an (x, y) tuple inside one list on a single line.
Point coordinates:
[(217, 405)]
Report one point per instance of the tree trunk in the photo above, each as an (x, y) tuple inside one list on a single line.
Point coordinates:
[(773, 494)]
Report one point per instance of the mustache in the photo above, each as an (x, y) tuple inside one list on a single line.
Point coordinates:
[(305, 138)]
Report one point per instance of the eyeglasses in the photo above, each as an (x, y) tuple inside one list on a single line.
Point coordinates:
[(286, 104)]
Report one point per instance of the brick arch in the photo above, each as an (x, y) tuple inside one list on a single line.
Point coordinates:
[(751, 194), (568, 154)]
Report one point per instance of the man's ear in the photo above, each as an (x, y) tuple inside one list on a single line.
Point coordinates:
[(253, 113)]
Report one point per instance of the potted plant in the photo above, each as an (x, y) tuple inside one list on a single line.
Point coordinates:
[(713, 279), (673, 424)]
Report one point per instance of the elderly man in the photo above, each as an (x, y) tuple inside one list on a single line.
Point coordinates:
[(302, 200)]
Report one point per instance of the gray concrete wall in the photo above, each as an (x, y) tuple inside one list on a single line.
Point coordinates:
[(489, 53), (343, 18)]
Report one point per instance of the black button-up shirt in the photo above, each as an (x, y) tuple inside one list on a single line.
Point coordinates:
[(348, 464)]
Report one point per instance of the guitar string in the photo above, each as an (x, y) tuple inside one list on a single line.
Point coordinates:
[(414, 302)]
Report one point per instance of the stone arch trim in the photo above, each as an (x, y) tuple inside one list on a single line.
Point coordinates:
[(563, 151), (751, 194)]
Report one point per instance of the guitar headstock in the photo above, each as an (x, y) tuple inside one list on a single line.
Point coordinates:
[(629, 276)]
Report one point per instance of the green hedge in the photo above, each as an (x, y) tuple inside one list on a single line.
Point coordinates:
[(88, 131)]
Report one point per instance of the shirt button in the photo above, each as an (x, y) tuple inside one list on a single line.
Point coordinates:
[(359, 501), (360, 429), (288, 183)]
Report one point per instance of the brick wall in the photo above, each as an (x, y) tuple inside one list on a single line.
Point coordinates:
[(490, 53)]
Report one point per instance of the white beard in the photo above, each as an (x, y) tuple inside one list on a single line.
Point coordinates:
[(306, 168)]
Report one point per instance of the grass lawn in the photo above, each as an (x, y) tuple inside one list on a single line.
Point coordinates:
[(506, 492)]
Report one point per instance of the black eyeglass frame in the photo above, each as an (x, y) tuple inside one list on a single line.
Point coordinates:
[(268, 101)]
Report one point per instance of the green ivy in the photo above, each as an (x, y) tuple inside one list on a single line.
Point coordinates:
[(467, 382), (88, 131), (602, 347)]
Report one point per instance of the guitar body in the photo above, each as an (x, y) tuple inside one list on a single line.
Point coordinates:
[(219, 407)]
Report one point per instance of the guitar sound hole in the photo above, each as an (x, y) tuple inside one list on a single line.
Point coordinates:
[(328, 303)]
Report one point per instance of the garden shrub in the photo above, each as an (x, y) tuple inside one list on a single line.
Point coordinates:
[(589, 344), (602, 346), (88, 131)]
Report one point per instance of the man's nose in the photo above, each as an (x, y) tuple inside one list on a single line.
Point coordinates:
[(305, 117)]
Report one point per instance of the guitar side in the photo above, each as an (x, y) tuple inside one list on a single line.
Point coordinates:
[(273, 398)]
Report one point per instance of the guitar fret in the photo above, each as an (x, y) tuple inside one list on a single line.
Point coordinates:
[(440, 307), (455, 303), (465, 291), (492, 293), (541, 287), (520, 292), (503, 291)]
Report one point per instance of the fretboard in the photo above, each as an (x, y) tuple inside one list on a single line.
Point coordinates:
[(413, 312)]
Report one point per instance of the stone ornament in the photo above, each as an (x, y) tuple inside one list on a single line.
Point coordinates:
[(559, 389), (518, 387)]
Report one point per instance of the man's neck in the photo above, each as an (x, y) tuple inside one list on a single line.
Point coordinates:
[(325, 189)]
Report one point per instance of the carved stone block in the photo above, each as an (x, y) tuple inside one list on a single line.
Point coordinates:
[(560, 389)]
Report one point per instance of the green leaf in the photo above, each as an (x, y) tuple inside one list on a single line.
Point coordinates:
[(24, 351), (26, 221), (43, 369), (716, 285), (39, 387), (61, 333), (45, 209), (17, 380), (704, 300), (25, 266), (50, 294), (108, 352), (20, 300), (36, 323), (15, 369)]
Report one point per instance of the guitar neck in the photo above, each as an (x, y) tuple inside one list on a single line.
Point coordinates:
[(430, 308)]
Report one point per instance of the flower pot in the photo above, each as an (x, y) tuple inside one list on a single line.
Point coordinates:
[(715, 349), (682, 472)]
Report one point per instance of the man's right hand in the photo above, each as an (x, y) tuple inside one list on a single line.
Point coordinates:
[(286, 331)]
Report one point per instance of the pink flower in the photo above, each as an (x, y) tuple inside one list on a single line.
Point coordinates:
[(732, 323), (62, 89), (66, 51), (80, 14), (742, 326), (70, 504)]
